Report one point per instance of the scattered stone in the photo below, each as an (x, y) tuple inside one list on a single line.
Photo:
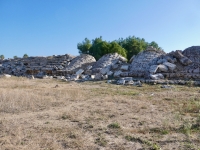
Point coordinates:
[(131, 82), (109, 81), (74, 77), (157, 76), (166, 86), (138, 83), (7, 75), (121, 81)]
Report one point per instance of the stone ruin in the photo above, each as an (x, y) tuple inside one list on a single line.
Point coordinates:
[(150, 66)]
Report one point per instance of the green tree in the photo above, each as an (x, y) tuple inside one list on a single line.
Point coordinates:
[(99, 47), (2, 57), (126, 47), (84, 47), (25, 56), (133, 45), (15, 57)]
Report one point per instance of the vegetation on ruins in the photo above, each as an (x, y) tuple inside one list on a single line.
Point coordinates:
[(98, 47), (2, 57), (15, 57), (126, 47), (25, 56)]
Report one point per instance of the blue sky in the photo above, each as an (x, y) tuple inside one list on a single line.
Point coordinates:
[(48, 27)]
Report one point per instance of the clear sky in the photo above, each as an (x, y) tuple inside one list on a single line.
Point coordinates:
[(48, 27)]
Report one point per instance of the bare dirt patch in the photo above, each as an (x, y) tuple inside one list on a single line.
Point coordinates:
[(51, 114)]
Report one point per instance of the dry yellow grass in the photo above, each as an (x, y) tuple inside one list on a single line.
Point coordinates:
[(51, 114)]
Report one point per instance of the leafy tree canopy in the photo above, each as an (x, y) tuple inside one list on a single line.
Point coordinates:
[(98, 47), (126, 47)]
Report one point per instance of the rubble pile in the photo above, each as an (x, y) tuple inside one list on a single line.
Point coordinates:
[(149, 66), (110, 65), (143, 64)]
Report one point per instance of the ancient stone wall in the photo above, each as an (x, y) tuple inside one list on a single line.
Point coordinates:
[(150, 64)]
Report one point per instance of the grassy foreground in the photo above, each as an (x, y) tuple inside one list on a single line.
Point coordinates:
[(50, 114)]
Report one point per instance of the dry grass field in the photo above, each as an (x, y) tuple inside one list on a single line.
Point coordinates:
[(50, 114)]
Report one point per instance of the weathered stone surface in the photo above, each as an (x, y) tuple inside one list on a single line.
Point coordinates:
[(79, 72), (131, 82), (117, 73), (121, 81), (153, 69), (115, 66), (74, 77), (156, 76), (110, 73), (125, 67), (98, 76), (124, 74), (170, 66), (185, 61), (108, 60), (163, 68), (105, 70), (81, 61), (128, 78), (142, 62)]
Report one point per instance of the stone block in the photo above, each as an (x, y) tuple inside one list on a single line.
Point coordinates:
[(185, 61), (115, 66), (74, 77), (128, 79), (79, 72), (98, 76), (153, 69), (124, 74), (117, 73), (170, 66), (110, 73), (125, 67), (162, 68), (156, 76), (104, 70), (121, 82), (89, 67)]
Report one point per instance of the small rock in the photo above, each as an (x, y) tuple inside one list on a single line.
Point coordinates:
[(121, 81), (166, 86)]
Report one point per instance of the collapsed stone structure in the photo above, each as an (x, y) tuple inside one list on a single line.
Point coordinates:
[(150, 64)]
